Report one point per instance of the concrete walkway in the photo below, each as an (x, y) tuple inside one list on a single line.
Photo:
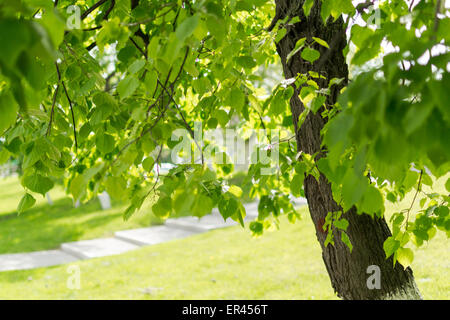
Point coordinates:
[(123, 241)]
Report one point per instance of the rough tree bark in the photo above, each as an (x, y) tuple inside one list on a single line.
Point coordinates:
[(347, 271)]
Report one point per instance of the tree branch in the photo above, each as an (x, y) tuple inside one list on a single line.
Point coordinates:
[(95, 6), (139, 48), (73, 115), (188, 127), (414, 199), (55, 94)]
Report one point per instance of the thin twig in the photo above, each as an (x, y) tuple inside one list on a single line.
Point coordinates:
[(157, 172), (188, 127), (108, 11), (414, 199), (91, 46), (181, 68), (88, 11), (73, 116), (92, 28), (55, 94), (139, 48), (436, 18), (133, 24), (143, 133)]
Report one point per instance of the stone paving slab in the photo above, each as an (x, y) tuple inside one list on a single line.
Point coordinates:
[(37, 259), (215, 220), (124, 240), (205, 223), (300, 202), (152, 235), (96, 248)]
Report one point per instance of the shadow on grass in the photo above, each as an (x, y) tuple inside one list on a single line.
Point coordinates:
[(46, 227)]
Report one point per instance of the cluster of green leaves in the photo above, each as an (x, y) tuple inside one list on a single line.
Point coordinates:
[(334, 222), (392, 134), (97, 105)]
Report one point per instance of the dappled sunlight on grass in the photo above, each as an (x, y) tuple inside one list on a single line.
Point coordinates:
[(47, 226), (222, 264)]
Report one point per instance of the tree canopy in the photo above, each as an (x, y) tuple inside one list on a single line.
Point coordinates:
[(91, 93)]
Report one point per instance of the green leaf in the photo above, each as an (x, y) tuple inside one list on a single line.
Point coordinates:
[(256, 227), (127, 86), (298, 46), (278, 104), (32, 69), (163, 207), (307, 7), (31, 158), (8, 111), (410, 180), (335, 81), (427, 180), (187, 27), (55, 26), (4, 155), (280, 34), (236, 98), (242, 5), (345, 239), (203, 205), (310, 54), (417, 115), (405, 257), (325, 9), (151, 79), (321, 42), (15, 37), (390, 246), (148, 164), (307, 94), (129, 212), (317, 103), (342, 6), (239, 215), (372, 200), (297, 184), (77, 187), (341, 224), (136, 66), (183, 202), (116, 187), (440, 94), (336, 136), (25, 203), (246, 62), (38, 183), (235, 190), (222, 117), (353, 188), (73, 72), (288, 93), (105, 143), (227, 207)]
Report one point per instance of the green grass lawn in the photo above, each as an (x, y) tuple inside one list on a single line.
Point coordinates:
[(47, 226), (222, 264)]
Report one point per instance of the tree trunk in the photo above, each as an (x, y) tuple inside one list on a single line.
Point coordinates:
[(348, 271)]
